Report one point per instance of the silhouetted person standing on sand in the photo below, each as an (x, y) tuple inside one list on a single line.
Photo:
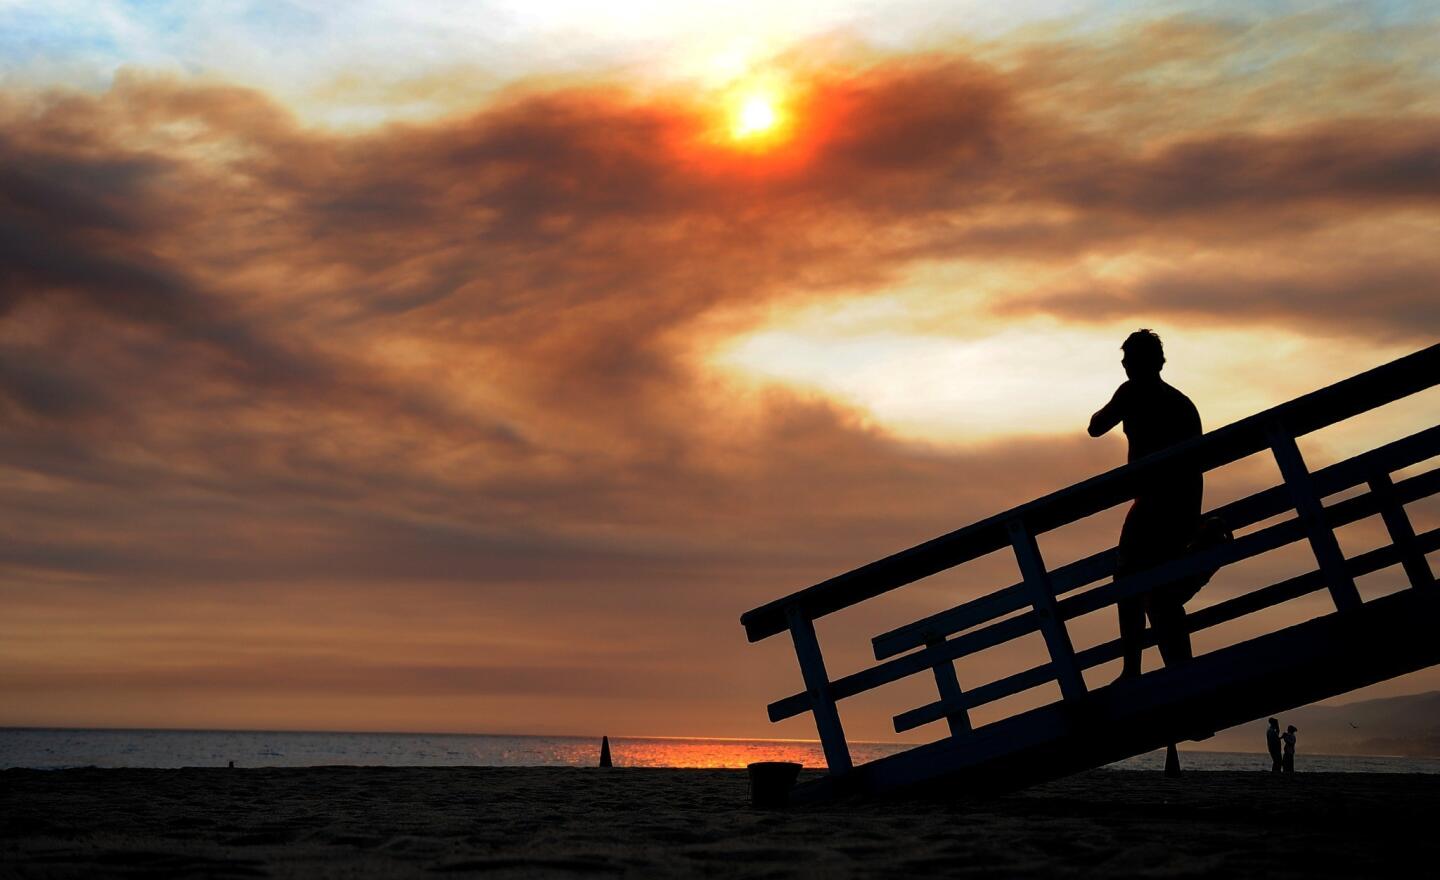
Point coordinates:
[(1272, 741), (1166, 514), (1288, 763)]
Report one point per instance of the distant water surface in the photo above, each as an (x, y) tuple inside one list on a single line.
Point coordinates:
[(44, 748)]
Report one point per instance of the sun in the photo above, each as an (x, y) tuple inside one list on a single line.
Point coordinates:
[(755, 115)]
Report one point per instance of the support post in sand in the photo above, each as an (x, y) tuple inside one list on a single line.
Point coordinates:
[(1172, 761), (605, 752)]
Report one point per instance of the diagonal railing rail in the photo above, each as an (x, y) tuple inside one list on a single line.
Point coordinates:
[(937, 641)]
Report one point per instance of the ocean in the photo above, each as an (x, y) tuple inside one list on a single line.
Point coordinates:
[(46, 748)]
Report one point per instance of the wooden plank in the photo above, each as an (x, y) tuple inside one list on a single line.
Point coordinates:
[(1052, 627), (949, 687), (1360, 393), (909, 664), (1312, 516), (1402, 534), (1223, 612), (817, 684), (855, 683), (1393, 381), (1237, 514), (988, 607), (962, 616), (987, 693)]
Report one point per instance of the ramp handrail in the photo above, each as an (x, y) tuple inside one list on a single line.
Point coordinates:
[(1035, 596)]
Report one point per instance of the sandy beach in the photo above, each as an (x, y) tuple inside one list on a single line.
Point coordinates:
[(378, 822)]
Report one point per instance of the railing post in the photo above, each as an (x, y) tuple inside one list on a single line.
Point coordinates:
[(1402, 534), (1042, 596), (949, 687), (817, 684), (1312, 517)]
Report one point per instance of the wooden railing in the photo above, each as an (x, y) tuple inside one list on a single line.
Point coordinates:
[(933, 643)]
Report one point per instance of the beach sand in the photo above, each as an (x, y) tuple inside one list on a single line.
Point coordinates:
[(521, 822)]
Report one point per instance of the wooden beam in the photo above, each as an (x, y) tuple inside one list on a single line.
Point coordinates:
[(985, 609), (1402, 534), (817, 685), (1312, 516), (952, 620), (1042, 596), (987, 693), (949, 687), (909, 664)]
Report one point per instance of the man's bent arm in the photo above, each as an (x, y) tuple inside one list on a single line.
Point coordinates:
[(1108, 417)]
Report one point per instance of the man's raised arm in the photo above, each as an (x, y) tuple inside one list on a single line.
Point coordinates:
[(1109, 415)]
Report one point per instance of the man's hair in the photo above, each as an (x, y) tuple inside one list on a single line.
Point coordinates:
[(1144, 349), (1275, 722), (1291, 729)]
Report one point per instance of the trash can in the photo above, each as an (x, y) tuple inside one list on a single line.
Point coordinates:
[(770, 783)]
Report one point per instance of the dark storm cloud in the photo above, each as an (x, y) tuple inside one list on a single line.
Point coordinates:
[(32, 381)]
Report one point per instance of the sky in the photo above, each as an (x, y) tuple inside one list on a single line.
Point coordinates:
[(474, 366)]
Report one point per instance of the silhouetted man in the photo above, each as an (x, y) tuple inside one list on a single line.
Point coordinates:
[(1166, 514), (1288, 762), (1272, 741)]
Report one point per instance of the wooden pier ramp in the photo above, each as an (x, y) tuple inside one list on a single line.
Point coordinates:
[(1358, 644)]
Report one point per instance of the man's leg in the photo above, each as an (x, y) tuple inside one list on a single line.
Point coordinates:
[(1132, 633), (1171, 635), (1136, 553)]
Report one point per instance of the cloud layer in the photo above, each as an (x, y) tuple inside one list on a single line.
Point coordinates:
[(461, 364)]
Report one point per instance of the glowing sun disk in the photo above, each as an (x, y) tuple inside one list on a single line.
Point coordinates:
[(755, 115)]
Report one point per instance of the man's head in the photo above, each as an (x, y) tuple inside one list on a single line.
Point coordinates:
[(1144, 355), (1290, 729), (1274, 722)]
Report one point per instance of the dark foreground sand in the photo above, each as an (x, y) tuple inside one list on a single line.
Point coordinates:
[(377, 822)]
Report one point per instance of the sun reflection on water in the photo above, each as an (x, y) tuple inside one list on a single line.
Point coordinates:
[(731, 753)]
